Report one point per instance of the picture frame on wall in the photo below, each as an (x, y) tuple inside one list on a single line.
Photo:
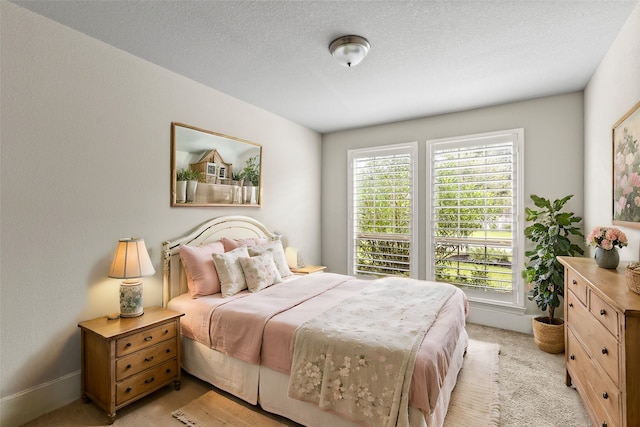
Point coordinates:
[(626, 169)]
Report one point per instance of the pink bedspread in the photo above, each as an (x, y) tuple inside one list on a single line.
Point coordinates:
[(260, 328)]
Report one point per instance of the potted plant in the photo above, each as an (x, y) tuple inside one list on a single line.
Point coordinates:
[(186, 184), (552, 232), (251, 176)]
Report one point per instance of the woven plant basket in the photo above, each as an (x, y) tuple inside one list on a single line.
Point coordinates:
[(548, 337), (633, 277)]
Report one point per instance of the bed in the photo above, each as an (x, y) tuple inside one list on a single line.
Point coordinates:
[(259, 370)]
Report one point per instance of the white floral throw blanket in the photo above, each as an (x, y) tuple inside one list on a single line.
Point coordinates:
[(357, 358)]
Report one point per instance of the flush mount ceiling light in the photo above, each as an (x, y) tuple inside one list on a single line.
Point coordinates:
[(349, 50)]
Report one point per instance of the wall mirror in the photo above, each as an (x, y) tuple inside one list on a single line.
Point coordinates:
[(212, 169)]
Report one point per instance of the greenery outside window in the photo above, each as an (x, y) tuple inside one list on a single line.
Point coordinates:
[(381, 211), (475, 210)]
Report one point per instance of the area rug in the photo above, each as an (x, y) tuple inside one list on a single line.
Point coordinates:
[(474, 401), (476, 398)]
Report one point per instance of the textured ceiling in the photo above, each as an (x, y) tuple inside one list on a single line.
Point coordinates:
[(426, 58)]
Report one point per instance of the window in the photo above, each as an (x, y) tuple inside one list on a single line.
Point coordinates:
[(381, 211), (475, 211)]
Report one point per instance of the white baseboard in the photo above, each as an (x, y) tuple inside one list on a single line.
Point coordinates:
[(496, 317), (27, 405)]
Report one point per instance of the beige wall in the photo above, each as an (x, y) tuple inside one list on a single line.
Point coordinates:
[(553, 159), (85, 132), (613, 90)]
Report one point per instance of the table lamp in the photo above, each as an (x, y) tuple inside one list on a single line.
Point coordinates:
[(131, 262)]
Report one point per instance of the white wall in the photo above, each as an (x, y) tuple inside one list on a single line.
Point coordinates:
[(85, 140), (553, 140), (612, 91)]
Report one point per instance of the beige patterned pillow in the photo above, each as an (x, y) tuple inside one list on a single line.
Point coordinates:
[(230, 271), (260, 271), (277, 251)]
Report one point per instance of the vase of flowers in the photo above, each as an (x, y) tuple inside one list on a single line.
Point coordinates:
[(607, 240)]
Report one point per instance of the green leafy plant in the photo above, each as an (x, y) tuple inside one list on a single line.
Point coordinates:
[(251, 171), (188, 175), (551, 232)]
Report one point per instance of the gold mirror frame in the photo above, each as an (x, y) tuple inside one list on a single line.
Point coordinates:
[(215, 169)]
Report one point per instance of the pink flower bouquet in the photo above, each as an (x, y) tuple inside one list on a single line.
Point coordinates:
[(606, 238)]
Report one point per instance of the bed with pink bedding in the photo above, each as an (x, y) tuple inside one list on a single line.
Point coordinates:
[(245, 343)]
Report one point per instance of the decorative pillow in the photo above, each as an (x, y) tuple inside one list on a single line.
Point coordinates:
[(279, 258), (231, 244), (230, 271), (202, 278), (260, 271)]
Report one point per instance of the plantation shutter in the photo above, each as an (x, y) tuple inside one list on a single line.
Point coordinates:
[(382, 205), (474, 206)]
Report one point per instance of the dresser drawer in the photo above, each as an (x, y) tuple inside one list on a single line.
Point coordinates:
[(145, 381), (139, 361), (601, 346), (144, 339), (602, 394), (577, 285), (604, 313)]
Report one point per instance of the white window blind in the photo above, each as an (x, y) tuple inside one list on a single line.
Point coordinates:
[(381, 211), (474, 213)]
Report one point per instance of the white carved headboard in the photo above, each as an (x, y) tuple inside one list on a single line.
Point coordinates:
[(174, 281)]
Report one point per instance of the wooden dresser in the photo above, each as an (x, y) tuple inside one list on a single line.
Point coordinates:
[(125, 359), (602, 341)]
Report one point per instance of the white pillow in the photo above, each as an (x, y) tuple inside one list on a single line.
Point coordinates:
[(277, 251), (260, 271), (230, 271)]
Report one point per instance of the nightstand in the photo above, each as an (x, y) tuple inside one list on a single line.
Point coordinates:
[(126, 359), (309, 269)]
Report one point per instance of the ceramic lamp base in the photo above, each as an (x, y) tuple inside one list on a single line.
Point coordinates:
[(131, 299)]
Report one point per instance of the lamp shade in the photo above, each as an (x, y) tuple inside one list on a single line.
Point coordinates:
[(131, 260), (349, 50)]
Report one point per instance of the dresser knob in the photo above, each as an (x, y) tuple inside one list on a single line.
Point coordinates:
[(149, 381), (168, 350), (128, 345), (574, 282), (128, 390), (603, 312), (166, 331), (148, 338), (129, 366), (605, 395), (571, 304), (148, 359), (572, 357), (168, 370), (604, 350), (604, 424)]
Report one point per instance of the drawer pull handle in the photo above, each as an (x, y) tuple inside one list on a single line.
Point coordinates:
[(168, 350), (572, 357), (129, 366), (571, 304), (148, 338), (603, 312), (149, 381), (128, 390), (166, 331), (604, 424), (604, 350), (168, 370), (574, 281), (128, 345), (148, 359), (605, 395)]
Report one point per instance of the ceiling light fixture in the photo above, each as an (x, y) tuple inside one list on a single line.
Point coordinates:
[(349, 50)]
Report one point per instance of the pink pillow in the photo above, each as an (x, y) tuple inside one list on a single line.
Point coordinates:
[(231, 244), (202, 278)]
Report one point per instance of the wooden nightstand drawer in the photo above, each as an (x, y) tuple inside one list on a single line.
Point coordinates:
[(144, 339), (145, 381), (604, 313), (137, 362)]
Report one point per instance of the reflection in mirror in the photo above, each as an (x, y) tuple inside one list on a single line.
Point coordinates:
[(212, 169)]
